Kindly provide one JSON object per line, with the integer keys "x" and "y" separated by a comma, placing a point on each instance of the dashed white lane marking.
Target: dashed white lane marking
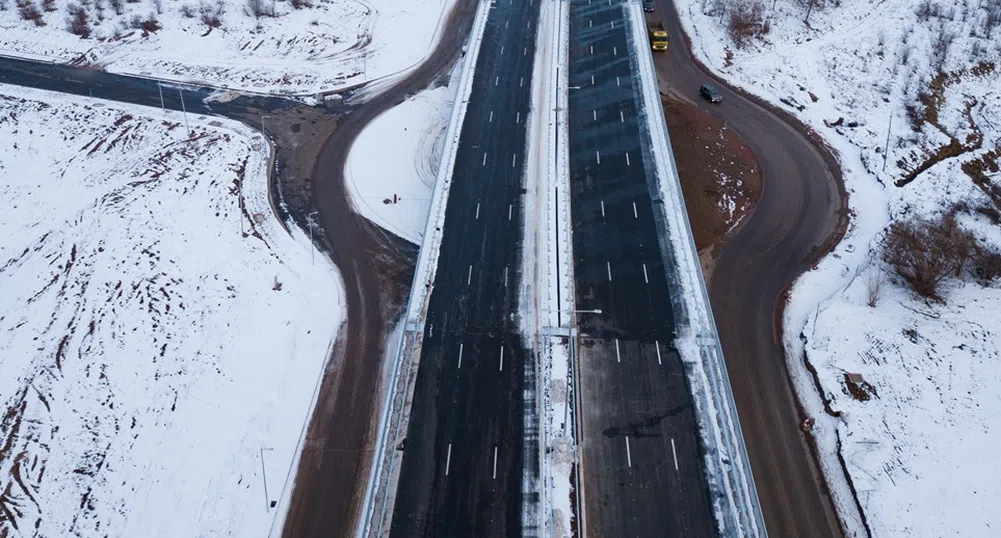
{"x": 615, "y": 51}
{"x": 522, "y": 83}
{"x": 592, "y": 49}
{"x": 505, "y": 276}
{"x": 646, "y": 278}
{"x": 602, "y": 208}
{"x": 617, "y": 81}
{"x": 622, "y": 117}
{"x": 597, "y": 154}
{"x": 501, "y": 368}
{"x": 629, "y": 456}
{"x": 674, "y": 453}
{"x": 594, "y": 114}
{"x": 618, "y": 356}
{"x": 495, "y": 460}
{"x": 608, "y": 265}
{"x": 525, "y": 52}
{"x": 502, "y": 49}
{"x": 469, "y": 277}
{"x": 657, "y": 343}
{"x": 613, "y": 24}
{"x": 635, "y": 214}
{"x": 448, "y": 459}
{"x": 491, "y": 115}
{"x": 509, "y": 208}
{"x": 513, "y": 156}
{"x": 460, "y": 355}
{"x": 477, "y": 211}
{"x": 484, "y": 158}
{"x": 590, "y": 23}
{"x": 592, "y": 80}
{"x": 496, "y": 80}
{"x": 517, "y": 118}
{"x": 627, "y": 159}
{"x": 505, "y": 23}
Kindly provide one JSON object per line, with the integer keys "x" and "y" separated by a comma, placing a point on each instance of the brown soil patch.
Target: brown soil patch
{"x": 720, "y": 176}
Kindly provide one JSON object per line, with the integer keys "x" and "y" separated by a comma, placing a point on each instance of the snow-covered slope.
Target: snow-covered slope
{"x": 323, "y": 46}
{"x": 151, "y": 354}
{"x": 923, "y": 77}
{"x": 396, "y": 193}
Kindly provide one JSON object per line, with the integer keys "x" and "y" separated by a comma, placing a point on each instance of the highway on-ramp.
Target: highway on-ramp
{"x": 641, "y": 458}
{"x": 799, "y": 216}
{"x": 464, "y": 452}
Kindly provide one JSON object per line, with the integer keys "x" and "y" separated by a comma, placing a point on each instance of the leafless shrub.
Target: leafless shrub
{"x": 299, "y": 4}
{"x": 187, "y": 11}
{"x": 118, "y": 6}
{"x": 78, "y": 23}
{"x": 49, "y": 5}
{"x": 29, "y": 12}
{"x": 926, "y": 252}
{"x": 923, "y": 11}
{"x": 993, "y": 18}
{"x": 987, "y": 267}
{"x": 4, "y": 5}
{"x": 257, "y": 8}
{"x": 158, "y": 6}
{"x": 211, "y": 16}
{"x": 150, "y": 24}
{"x": 874, "y": 282}
{"x": 747, "y": 22}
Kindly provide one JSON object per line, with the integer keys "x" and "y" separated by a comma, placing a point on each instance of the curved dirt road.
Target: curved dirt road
{"x": 375, "y": 267}
{"x": 799, "y": 216}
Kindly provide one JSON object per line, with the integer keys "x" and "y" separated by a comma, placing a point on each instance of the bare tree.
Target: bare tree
{"x": 77, "y": 22}
{"x": 874, "y": 282}
{"x": 926, "y": 252}
{"x": 29, "y": 12}
{"x": 747, "y": 21}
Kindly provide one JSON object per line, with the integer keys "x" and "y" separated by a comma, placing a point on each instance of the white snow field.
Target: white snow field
{"x": 916, "y": 452}
{"x": 324, "y": 46}
{"x": 396, "y": 192}
{"x": 152, "y": 355}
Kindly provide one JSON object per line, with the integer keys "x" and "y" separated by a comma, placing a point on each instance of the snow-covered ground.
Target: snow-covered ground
{"x": 152, "y": 355}
{"x": 917, "y": 451}
{"x": 324, "y": 46}
{"x": 396, "y": 193}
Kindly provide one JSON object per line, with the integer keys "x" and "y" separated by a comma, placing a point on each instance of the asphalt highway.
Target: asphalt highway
{"x": 641, "y": 460}
{"x": 463, "y": 460}
{"x": 799, "y": 216}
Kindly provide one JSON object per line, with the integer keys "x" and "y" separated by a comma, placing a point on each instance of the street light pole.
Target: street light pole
{"x": 312, "y": 248}
{"x": 184, "y": 111}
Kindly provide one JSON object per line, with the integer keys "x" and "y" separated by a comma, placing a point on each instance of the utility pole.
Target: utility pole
{"x": 163, "y": 108}
{"x": 264, "y": 473}
{"x": 185, "y": 112}
{"x": 886, "y": 150}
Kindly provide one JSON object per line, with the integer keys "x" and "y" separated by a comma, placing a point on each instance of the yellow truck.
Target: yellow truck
{"x": 658, "y": 39}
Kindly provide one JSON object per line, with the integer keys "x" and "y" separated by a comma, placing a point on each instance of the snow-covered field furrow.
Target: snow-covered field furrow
{"x": 151, "y": 353}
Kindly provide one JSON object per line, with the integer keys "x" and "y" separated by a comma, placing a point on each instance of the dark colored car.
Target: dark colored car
{"x": 710, "y": 93}
{"x": 648, "y": 6}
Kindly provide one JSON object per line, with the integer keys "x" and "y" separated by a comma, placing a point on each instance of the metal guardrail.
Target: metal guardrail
{"x": 726, "y": 453}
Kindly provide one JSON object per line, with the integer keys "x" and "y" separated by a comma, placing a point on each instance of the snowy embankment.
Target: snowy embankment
{"x": 321, "y": 46}
{"x": 918, "y": 78}
{"x": 396, "y": 193}
{"x": 152, "y": 354}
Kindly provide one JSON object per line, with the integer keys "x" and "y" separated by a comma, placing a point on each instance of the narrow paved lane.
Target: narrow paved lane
{"x": 799, "y": 215}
